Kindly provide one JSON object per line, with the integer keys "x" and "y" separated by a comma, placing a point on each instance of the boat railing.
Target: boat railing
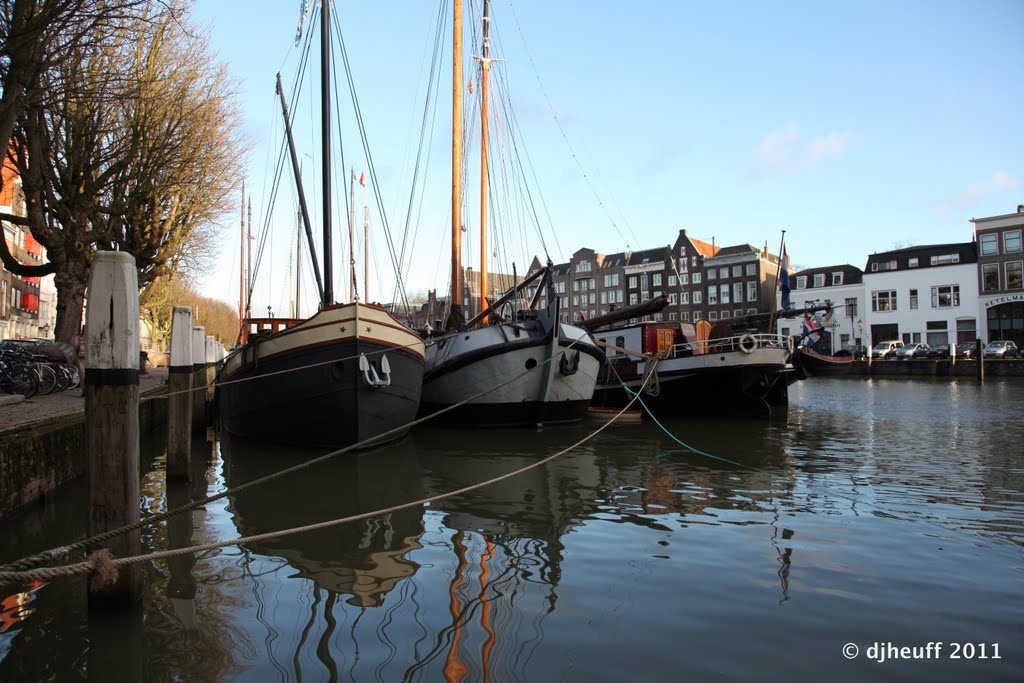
{"x": 747, "y": 343}
{"x": 256, "y": 326}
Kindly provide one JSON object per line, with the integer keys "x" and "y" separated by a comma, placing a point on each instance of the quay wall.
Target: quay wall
{"x": 941, "y": 368}
{"x": 37, "y": 459}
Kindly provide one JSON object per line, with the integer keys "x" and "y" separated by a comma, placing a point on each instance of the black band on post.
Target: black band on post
{"x": 111, "y": 377}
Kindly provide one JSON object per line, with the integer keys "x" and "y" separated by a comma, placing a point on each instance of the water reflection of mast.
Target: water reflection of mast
{"x": 454, "y": 668}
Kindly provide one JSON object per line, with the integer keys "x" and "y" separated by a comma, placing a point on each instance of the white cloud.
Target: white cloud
{"x": 784, "y": 150}
{"x": 976, "y": 193}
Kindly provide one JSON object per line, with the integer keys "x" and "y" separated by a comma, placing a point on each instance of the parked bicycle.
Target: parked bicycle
{"x": 17, "y": 375}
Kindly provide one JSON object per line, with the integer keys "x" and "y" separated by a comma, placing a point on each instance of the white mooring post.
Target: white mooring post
{"x": 112, "y": 417}
{"x": 211, "y": 370}
{"x": 179, "y": 388}
{"x": 198, "y": 379}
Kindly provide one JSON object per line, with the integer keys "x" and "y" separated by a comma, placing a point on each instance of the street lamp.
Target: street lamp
{"x": 860, "y": 327}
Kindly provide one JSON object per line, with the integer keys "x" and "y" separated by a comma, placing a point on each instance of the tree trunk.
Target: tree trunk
{"x": 71, "y": 281}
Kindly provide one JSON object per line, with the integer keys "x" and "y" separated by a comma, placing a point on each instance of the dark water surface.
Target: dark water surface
{"x": 875, "y": 515}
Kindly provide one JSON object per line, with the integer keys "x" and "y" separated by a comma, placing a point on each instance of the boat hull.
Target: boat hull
{"x": 819, "y": 365}
{"x": 305, "y": 385}
{"x": 748, "y": 374}
{"x": 712, "y": 383}
{"x": 511, "y": 374}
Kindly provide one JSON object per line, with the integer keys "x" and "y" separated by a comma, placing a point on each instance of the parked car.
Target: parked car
{"x": 886, "y": 349}
{"x": 940, "y": 351}
{"x": 1002, "y": 348}
{"x": 915, "y": 350}
{"x": 966, "y": 350}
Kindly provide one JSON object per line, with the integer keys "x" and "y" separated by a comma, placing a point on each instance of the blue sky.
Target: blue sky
{"x": 854, "y": 127}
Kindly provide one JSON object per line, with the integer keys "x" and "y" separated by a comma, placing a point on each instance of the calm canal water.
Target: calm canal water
{"x": 874, "y": 515}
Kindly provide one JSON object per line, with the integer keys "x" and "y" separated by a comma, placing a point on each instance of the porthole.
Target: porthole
{"x": 531, "y": 364}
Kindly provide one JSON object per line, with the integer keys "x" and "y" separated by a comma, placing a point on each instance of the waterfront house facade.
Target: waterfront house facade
{"x": 842, "y": 288}
{"x": 922, "y": 294}
{"x": 1000, "y": 275}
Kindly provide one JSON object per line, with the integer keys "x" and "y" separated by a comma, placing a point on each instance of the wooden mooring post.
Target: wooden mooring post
{"x": 112, "y": 418}
{"x": 199, "y": 379}
{"x": 179, "y": 401}
{"x": 211, "y": 373}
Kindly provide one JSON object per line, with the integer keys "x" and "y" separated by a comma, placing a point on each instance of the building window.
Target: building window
{"x": 989, "y": 244}
{"x": 671, "y": 280}
{"x": 883, "y": 265}
{"x": 946, "y": 296}
{"x": 737, "y": 271}
{"x": 819, "y": 280}
{"x": 604, "y": 297}
{"x": 698, "y": 297}
{"x": 1013, "y": 275}
{"x": 684, "y": 297}
{"x": 837, "y": 279}
{"x": 723, "y": 273}
{"x": 712, "y": 315}
{"x": 752, "y": 290}
{"x": 611, "y": 280}
{"x": 696, "y": 315}
{"x": 618, "y": 296}
{"x": 656, "y": 279}
{"x": 632, "y": 300}
{"x": 737, "y": 313}
{"x": 592, "y": 298}
{"x": 851, "y": 307}
{"x": 583, "y": 267}
{"x": 684, "y": 317}
{"x": 672, "y": 299}
{"x": 751, "y": 311}
{"x": 1011, "y": 241}
{"x": 672, "y": 317}
{"x": 737, "y": 292}
{"x": 990, "y": 277}
{"x": 945, "y": 259}
{"x": 723, "y": 294}
{"x": 751, "y": 269}
{"x": 801, "y": 282}
{"x": 884, "y": 300}
{"x": 696, "y": 278}
{"x": 632, "y": 281}
{"x": 912, "y": 263}
{"x": 913, "y": 300}
{"x": 712, "y": 295}
{"x": 712, "y": 275}
{"x": 684, "y": 279}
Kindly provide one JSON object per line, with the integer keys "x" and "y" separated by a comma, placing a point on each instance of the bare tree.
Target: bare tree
{"x": 135, "y": 150}
{"x": 35, "y": 35}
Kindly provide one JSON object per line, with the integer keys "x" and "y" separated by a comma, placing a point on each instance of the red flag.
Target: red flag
{"x": 362, "y": 178}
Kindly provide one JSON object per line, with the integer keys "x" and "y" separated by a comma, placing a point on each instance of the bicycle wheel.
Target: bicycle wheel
{"x": 47, "y": 378}
{"x": 25, "y": 382}
{"x": 73, "y": 376}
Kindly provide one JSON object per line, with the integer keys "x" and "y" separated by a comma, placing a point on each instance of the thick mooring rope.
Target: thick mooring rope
{"x": 61, "y": 553}
{"x": 102, "y": 569}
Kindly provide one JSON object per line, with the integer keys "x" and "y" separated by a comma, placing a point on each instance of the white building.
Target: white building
{"x": 923, "y": 294}
{"x": 842, "y": 288}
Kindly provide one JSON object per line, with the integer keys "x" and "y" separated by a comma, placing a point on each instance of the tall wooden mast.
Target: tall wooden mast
{"x": 456, "y": 293}
{"x": 241, "y": 265}
{"x": 485, "y": 67}
{"x": 325, "y": 143}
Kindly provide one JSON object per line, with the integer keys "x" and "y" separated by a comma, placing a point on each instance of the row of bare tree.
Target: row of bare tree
{"x": 124, "y": 130}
